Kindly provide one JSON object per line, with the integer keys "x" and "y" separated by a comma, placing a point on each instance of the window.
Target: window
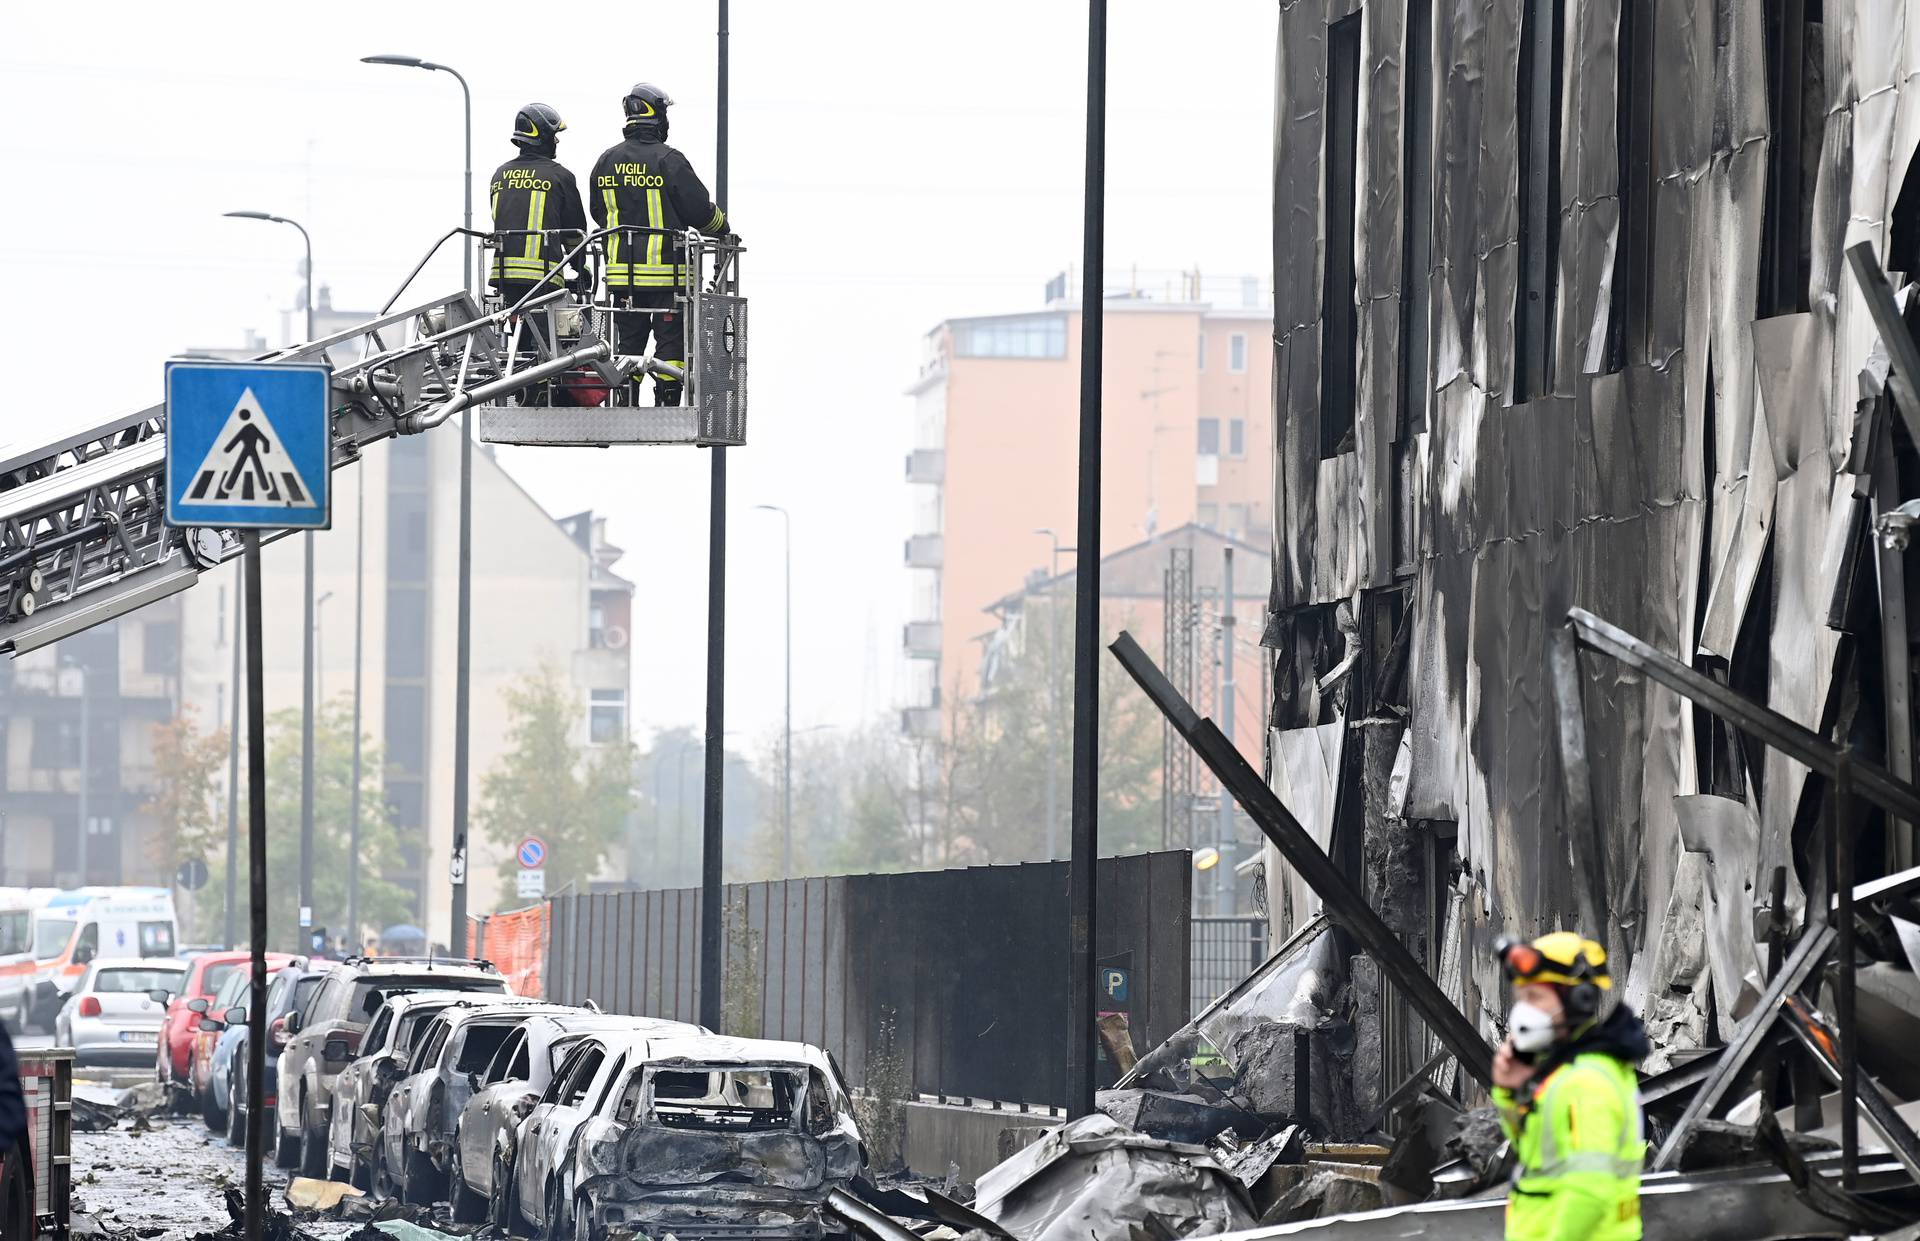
{"x": 1416, "y": 217}
{"x": 407, "y": 727}
{"x": 1237, "y": 352}
{"x": 1633, "y": 123}
{"x": 428, "y": 1052}
{"x": 732, "y": 1099}
{"x": 1200, "y": 359}
{"x": 1038, "y": 336}
{"x": 136, "y": 981}
{"x": 51, "y": 937}
{"x": 406, "y": 631}
{"x": 1339, "y": 318}
{"x": 56, "y": 744}
{"x": 16, "y": 932}
{"x": 596, "y": 627}
{"x": 160, "y": 648}
{"x": 512, "y": 1055}
{"x": 1209, "y": 437}
{"x": 607, "y": 716}
{"x": 379, "y": 1033}
{"x": 1794, "y": 41}
{"x": 1236, "y": 519}
{"x": 479, "y": 1045}
{"x": 1207, "y": 515}
{"x": 156, "y": 940}
{"x": 87, "y": 947}
{"x": 407, "y": 537}
{"x": 1236, "y": 437}
{"x": 1538, "y": 123}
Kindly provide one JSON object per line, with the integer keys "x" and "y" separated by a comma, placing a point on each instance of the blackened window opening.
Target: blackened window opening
{"x": 1339, "y": 319}
{"x": 1538, "y": 118}
{"x": 1633, "y": 256}
{"x": 1416, "y": 214}
{"x": 1795, "y": 98}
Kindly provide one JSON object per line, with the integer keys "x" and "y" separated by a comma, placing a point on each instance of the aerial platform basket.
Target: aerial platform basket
{"x": 713, "y": 403}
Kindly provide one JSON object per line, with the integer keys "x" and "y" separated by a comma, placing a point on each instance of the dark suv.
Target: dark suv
{"x": 326, "y": 1036}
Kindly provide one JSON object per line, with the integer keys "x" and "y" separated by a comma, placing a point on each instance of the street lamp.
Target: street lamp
{"x": 786, "y": 744}
{"x": 306, "y": 643}
{"x": 1053, "y": 698}
{"x": 463, "y": 657}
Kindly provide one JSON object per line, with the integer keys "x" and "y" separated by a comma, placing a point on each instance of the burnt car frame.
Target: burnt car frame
{"x": 361, "y": 1090}
{"x": 708, "y": 1137}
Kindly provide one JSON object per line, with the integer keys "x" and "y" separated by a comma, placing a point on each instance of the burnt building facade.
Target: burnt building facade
{"x": 1563, "y": 318}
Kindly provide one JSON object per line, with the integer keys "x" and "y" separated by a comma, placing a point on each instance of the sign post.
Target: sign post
{"x": 250, "y": 447}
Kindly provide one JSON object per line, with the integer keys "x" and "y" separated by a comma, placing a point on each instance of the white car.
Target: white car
{"x": 112, "y": 1017}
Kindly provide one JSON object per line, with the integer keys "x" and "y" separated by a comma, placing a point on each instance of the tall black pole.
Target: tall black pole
{"x": 359, "y": 634}
{"x": 307, "y": 704}
{"x": 463, "y": 598}
{"x": 256, "y": 893}
{"x": 236, "y": 688}
{"x": 710, "y": 1006}
{"x": 1085, "y": 844}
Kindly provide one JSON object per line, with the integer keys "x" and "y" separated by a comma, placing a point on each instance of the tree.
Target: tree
{"x": 186, "y": 789}
{"x": 574, "y": 797}
{"x": 381, "y": 902}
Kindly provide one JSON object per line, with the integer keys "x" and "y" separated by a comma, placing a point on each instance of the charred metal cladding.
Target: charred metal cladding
{"x": 1608, "y": 353}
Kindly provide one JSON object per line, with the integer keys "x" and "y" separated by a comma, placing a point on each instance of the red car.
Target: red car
{"x": 206, "y": 973}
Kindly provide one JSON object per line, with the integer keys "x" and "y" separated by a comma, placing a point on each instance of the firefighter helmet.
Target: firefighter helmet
{"x": 535, "y": 125}
{"x": 1577, "y": 966}
{"x": 646, "y": 102}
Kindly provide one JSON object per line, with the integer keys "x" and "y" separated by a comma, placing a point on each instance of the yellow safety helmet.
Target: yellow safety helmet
{"x": 1565, "y": 959}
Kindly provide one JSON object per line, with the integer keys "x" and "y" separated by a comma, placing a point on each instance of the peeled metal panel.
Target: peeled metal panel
{"x": 1727, "y": 835}
{"x": 1306, "y": 776}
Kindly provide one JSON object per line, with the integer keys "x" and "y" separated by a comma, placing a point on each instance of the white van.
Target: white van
{"x": 72, "y": 928}
{"x": 17, "y": 909}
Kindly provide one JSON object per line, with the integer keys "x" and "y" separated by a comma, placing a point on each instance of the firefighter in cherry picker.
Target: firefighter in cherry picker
{"x": 537, "y": 209}
{"x": 642, "y": 181}
{"x": 1568, "y": 1095}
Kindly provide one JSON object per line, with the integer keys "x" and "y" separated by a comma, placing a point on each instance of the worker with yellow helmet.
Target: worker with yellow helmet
{"x": 1569, "y": 1095}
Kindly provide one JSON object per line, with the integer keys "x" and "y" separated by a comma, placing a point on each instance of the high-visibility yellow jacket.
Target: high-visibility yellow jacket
{"x": 1576, "y": 1135}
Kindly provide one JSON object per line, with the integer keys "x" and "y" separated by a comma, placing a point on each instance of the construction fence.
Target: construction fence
{"x": 939, "y": 982}
{"x": 516, "y": 942}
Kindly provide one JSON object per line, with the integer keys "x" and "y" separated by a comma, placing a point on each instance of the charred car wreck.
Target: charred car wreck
{"x": 718, "y": 1137}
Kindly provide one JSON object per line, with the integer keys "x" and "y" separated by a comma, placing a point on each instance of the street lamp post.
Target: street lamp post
{"x": 320, "y": 649}
{"x": 359, "y": 626}
{"x": 786, "y": 743}
{"x": 1053, "y": 697}
{"x": 463, "y": 656}
{"x": 306, "y": 643}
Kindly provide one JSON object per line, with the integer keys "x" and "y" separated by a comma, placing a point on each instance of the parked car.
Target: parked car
{"x": 709, "y": 1136}
{"x": 112, "y": 1017}
{"x": 536, "y": 1193}
{"x": 292, "y": 990}
{"x": 206, "y": 1036}
{"x": 361, "y": 1090}
{"x": 322, "y": 1040}
{"x": 444, "y": 1071}
{"x": 482, "y": 1155}
{"x": 205, "y": 975}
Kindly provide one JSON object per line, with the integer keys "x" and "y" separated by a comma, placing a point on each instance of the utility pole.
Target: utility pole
{"x": 1223, "y": 831}
{"x": 233, "y": 772}
{"x": 86, "y": 766}
{"x": 359, "y": 633}
{"x": 1053, "y": 695}
{"x": 713, "y": 835}
{"x": 1086, "y": 618}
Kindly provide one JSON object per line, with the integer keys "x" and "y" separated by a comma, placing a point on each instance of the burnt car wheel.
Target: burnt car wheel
{"x": 236, "y": 1112}
{"x": 313, "y": 1147}
{"x": 421, "y": 1182}
{"x": 468, "y": 1207}
{"x": 211, "y": 1110}
{"x": 381, "y": 1177}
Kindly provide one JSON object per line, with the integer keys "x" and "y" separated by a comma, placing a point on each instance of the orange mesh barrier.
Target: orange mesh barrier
{"x": 516, "y": 942}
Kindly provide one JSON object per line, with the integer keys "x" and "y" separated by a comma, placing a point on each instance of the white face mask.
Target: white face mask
{"x": 1531, "y": 1028}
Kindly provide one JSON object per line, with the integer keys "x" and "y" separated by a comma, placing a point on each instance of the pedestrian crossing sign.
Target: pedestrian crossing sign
{"x": 248, "y": 445}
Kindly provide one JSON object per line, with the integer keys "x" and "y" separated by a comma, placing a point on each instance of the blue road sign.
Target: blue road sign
{"x": 1116, "y": 980}
{"x": 248, "y": 445}
{"x": 533, "y": 851}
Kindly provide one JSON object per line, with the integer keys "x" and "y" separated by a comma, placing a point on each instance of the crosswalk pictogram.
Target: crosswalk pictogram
{"x": 247, "y": 464}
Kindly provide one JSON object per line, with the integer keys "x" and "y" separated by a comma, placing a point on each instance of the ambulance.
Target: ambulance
{"x": 17, "y": 909}
{"x": 72, "y": 928}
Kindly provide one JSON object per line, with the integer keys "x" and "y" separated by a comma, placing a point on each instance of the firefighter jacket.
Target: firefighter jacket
{"x": 1577, "y": 1139}
{"x": 531, "y": 193}
{"x": 643, "y": 181}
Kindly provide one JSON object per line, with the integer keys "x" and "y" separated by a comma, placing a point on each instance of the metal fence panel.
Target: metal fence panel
{"x": 1225, "y": 950}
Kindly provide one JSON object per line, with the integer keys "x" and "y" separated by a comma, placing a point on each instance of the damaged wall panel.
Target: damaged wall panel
{"x": 1652, "y": 484}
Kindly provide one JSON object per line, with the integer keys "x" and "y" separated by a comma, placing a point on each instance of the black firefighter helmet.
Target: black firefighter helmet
{"x": 536, "y": 125}
{"x": 646, "y": 102}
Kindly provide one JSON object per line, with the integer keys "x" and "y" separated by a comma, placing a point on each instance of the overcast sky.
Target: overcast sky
{"x": 893, "y": 164}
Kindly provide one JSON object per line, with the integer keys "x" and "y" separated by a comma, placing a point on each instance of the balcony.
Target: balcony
{"x": 925, "y": 551}
{"x": 921, "y": 639}
{"x": 927, "y": 465}
{"x": 920, "y": 721}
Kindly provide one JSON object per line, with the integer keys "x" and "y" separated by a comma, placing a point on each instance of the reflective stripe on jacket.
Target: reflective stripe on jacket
{"x": 1579, "y": 1147}
{"x": 534, "y": 193}
{"x": 647, "y": 183}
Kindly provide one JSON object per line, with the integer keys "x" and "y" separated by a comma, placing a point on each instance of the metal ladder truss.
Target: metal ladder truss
{"x": 83, "y": 533}
{"x": 581, "y": 408}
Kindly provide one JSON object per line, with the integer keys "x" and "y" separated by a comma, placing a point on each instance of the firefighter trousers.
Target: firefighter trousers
{"x": 651, "y": 315}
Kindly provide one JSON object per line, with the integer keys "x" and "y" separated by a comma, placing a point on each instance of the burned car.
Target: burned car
{"x": 355, "y": 1121}
{"x": 710, "y": 1137}
{"x": 457, "y": 1044}
{"x": 520, "y": 1073}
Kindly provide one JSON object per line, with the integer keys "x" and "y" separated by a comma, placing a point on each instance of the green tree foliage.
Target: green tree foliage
{"x": 573, "y": 796}
{"x": 382, "y": 902}
{"x": 186, "y": 802}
